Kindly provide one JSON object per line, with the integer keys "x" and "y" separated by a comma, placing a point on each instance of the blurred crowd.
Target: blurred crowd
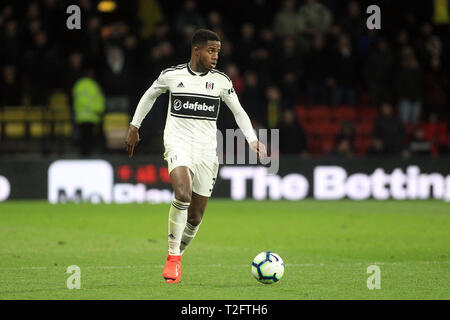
{"x": 280, "y": 55}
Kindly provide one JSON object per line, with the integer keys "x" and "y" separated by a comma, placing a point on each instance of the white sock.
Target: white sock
{"x": 177, "y": 223}
{"x": 188, "y": 235}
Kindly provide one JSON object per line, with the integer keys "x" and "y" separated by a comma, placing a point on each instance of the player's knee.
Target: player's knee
{"x": 183, "y": 196}
{"x": 195, "y": 216}
{"x": 194, "y": 220}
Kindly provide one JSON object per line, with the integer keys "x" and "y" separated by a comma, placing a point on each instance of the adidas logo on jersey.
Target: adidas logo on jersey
{"x": 180, "y": 85}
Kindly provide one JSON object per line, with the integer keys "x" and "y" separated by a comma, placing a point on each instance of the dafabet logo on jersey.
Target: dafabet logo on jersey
{"x": 195, "y": 106}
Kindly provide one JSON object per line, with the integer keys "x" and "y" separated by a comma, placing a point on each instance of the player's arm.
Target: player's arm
{"x": 144, "y": 106}
{"x": 231, "y": 99}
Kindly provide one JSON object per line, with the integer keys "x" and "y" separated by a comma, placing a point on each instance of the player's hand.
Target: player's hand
{"x": 259, "y": 148}
{"x": 132, "y": 139}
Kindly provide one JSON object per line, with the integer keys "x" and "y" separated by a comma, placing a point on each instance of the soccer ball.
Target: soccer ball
{"x": 267, "y": 267}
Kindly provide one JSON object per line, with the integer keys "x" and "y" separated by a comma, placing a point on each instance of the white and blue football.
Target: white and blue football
{"x": 268, "y": 267}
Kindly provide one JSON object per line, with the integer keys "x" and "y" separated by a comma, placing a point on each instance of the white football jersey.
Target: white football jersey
{"x": 194, "y": 104}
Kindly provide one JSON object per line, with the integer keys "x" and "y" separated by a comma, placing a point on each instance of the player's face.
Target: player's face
{"x": 209, "y": 55}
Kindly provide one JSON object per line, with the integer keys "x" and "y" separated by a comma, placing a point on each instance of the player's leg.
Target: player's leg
{"x": 202, "y": 186}
{"x": 181, "y": 178}
{"x": 194, "y": 219}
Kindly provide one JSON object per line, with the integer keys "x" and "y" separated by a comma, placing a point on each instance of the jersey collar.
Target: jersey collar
{"x": 193, "y": 73}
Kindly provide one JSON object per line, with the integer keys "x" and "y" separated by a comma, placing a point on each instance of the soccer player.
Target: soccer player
{"x": 195, "y": 92}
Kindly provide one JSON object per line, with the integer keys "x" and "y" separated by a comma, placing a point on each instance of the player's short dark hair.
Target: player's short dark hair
{"x": 202, "y": 36}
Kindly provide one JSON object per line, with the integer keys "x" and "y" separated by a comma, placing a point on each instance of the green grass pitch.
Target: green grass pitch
{"x": 327, "y": 247}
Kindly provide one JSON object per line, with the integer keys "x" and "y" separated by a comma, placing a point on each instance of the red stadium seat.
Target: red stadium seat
{"x": 317, "y": 126}
{"x": 344, "y": 113}
{"x": 328, "y": 143}
{"x": 302, "y": 113}
{"x": 364, "y": 128}
{"x": 314, "y": 145}
{"x": 308, "y": 127}
{"x": 368, "y": 113}
{"x": 319, "y": 113}
{"x": 362, "y": 144}
{"x": 329, "y": 129}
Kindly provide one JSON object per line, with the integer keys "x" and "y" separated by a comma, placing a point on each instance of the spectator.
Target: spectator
{"x": 435, "y": 131}
{"x": 427, "y": 44}
{"x": 436, "y": 89}
{"x": 342, "y": 149}
{"x": 419, "y": 146}
{"x": 285, "y": 20}
{"x": 89, "y": 105}
{"x": 252, "y": 99}
{"x": 289, "y": 69}
{"x": 344, "y": 142}
{"x": 273, "y": 106}
{"x": 40, "y": 69}
{"x": 189, "y": 18}
{"x": 353, "y": 23}
{"x": 317, "y": 71}
{"x": 33, "y": 11}
{"x": 292, "y": 135}
{"x": 388, "y": 133}
{"x": 347, "y": 132}
{"x": 402, "y": 42}
{"x": 343, "y": 73}
{"x": 378, "y": 74}
{"x": 52, "y": 12}
{"x": 259, "y": 12}
{"x": 314, "y": 18}
{"x": 183, "y": 46}
{"x": 409, "y": 88}
{"x": 247, "y": 45}
{"x": 11, "y": 43}
{"x": 264, "y": 53}
{"x": 234, "y": 74}
{"x": 115, "y": 75}
{"x": 226, "y": 54}
{"x": 160, "y": 57}
{"x": 91, "y": 41}
{"x": 10, "y": 87}
{"x": 74, "y": 70}
{"x": 215, "y": 23}
{"x": 162, "y": 33}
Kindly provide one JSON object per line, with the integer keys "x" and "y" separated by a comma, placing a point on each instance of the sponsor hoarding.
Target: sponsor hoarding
{"x": 146, "y": 180}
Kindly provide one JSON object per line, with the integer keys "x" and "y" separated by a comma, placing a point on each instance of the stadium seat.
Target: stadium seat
{"x": 327, "y": 144}
{"x": 314, "y": 145}
{"x": 317, "y": 127}
{"x": 15, "y": 130}
{"x": 436, "y": 132}
{"x": 362, "y": 144}
{"x": 59, "y": 99}
{"x": 59, "y": 107}
{"x": 364, "y": 128}
{"x": 14, "y": 113}
{"x": 37, "y": 124}
{"x": 14, "y": 122}
{"x": 344, "y": 113}
{"x": 330, "y": 129}
{"x": 115, "y": 128}
{"x": 319, "y": 113}
{"x": 367, "y": 113}
{"x": 302, "y": 113}
{"x": 63, "y": 128}
{"x": 309, "y": 128}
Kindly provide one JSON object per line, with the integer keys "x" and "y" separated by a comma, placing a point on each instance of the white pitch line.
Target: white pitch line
{"x": 241, "y": 265}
